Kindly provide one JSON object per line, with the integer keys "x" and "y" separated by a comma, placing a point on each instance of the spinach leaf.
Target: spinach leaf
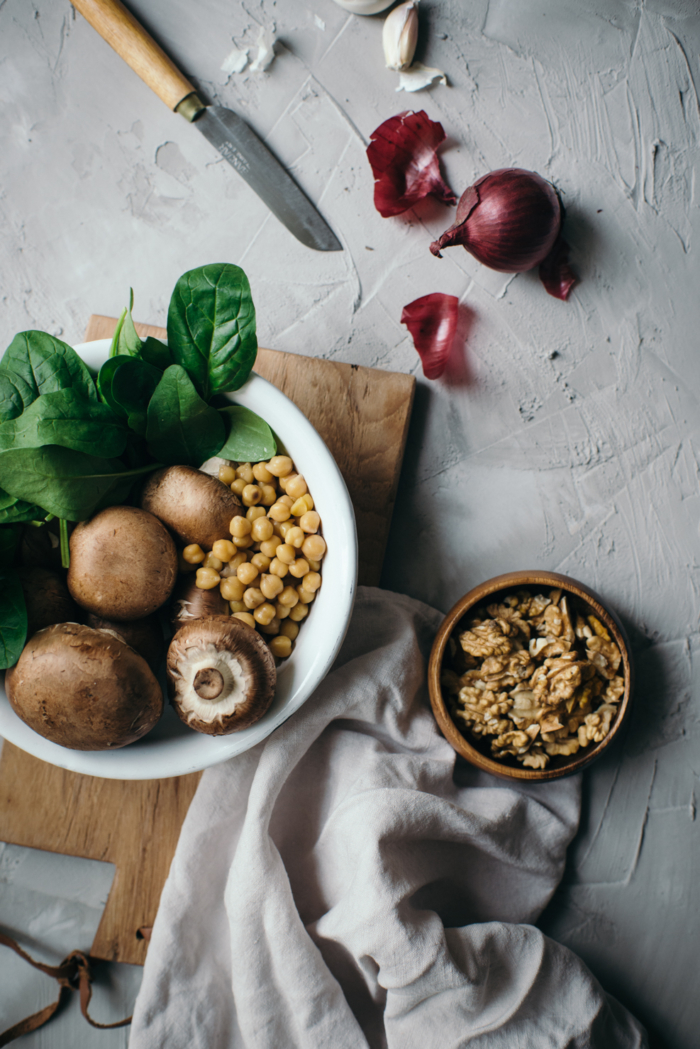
{"x": 127, "y": 385}
{"x": 13, "y": 619}
{"x": 9, "y": 541}
{"x": 156, "y": 353}
{"x": 36, "y": 363}
{"x": 126, "y": 341}
{"x": 182, "y": 428}
{"x": 211, "y": 327}
{"x": 16, "y": 510}
{"x": 250, "y": 438}
{"x": 68, "y": 419}
{"x": 64, "y": 482}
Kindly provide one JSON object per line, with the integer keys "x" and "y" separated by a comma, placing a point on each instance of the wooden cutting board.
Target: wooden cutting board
{"x": 363, "y": 415}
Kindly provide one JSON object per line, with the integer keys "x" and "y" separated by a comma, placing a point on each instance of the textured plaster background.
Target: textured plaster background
{"x": 565, "y": 436}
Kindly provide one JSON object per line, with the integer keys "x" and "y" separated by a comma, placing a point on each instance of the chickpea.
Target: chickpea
{"x": 232, "y": 589}
{"x": 242, "y": 542}
{"x": 288, "y": 596}
{"x": 286, "y": 499}
{"x": 278, "y": 568}
{"x": 253, "y": 598}
{"x": 245, "y": 470}
{"x": 262, "y": 474}
{"x": 299, "y": 612}
{"x": 299, "y": 568}
{"x": 282, "y": 611}
{"x": 295, "y": 535}
{"x": 237, "y": 606}
{"x": 232, "y": 567}
{"x": 254, "y": 512}
{"x": 312, "y": 582}
{"x": 310, "y": 521}
{"x": 272, "y": 628}
{"x": 247, "y": 573}
{"x": 262, "y": 527}
{"x": 224, "y": 550}
{"x": 299, "y": 508}
{"x": 285, "y": 528}
{"x": 245, "y": 617}
{"x": 279, "y": 512}
{"x": 285, "y": 553}
{"x": 207, "y": 578}
{"x": 290, "y": 629}
{"x": 237, "y": 487}
{"x": 309, "y": 501}
{"x": 193, "y": 554}
{"x": 261, "y": 562}
{"x": 315, "y": 566}
{"x": 269, "y": 494}
{"x": 281, "y": 646}
{"x": 305, "y": 596}
{"x": 296, "y": 486}
{"x": 271, "y": 586}
{"x": 251, "y": 495}
{"x": 240, "y": 527}
{"x": 269, "y": 546}
{"x": 277, "y": 529}
{"x": 280, "y": 465}
{"x": 264, "y": 613}
{"x": 227, "y": 473}
{"x": 314, "y": 547}
{"x": 283, "y": 482}
{"x": 212, "y": 562}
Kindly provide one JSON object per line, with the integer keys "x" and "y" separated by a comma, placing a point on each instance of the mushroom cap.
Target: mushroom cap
{"x": 123, "y": 564}
{"x": 221, "y": 675}
{"x": 195, "y": 506}
{"x": 145, "y": 636}
{"x": 189, "y": 602}
{"x": 46, "y": 597}
{"x": 84, "y": 688}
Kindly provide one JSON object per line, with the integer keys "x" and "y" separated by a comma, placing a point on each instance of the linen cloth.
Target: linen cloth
{"x": 347, "y": 884}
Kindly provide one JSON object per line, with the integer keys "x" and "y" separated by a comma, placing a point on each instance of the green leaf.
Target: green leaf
{"x": 68, "y": 419}
{"x": 156, "y": 353}
{"x": 9, "y": 541}
{"x": 13, "y": 619}
{"x": 250, "y": 439}
{"x": 36, "y": 363}
{"x": 64, "y": 482}
{"x": 127, "y": 385}
{"x": 182, "y": 428}
{"x": 16, "y": 510}
{"x": 211, "y": 327}
{"x": 126, "y": 342}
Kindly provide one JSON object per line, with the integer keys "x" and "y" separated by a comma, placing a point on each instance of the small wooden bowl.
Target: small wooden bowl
{"x": 478, "y": 753}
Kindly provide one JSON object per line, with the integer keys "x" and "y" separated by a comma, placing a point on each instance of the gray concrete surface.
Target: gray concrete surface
{"x": 565, "y": 435}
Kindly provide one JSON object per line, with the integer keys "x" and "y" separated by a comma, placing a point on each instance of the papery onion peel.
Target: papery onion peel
{"x": 510, "y": 220}
{"x": 432, "y": 322}
{"x": 403, "y": 155}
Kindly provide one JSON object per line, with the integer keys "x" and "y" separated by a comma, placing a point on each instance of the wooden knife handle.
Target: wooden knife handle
{"x": 130, "y": 40}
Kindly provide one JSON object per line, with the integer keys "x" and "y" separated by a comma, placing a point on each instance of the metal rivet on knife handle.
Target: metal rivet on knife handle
{"x": 123, "y": 33}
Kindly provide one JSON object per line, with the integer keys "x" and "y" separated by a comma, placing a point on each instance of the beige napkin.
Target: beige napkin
{"x": 344, "y": 885}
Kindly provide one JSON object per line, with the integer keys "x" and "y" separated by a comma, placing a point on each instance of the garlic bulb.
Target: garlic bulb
{"x": 365, "y": 7}
{"x": 400, "y": 35}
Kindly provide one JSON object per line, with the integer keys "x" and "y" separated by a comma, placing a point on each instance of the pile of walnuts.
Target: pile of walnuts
{"x": 539, "y": 675}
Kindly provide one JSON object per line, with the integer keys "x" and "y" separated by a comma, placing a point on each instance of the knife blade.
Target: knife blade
{"x": 226, "y": 131}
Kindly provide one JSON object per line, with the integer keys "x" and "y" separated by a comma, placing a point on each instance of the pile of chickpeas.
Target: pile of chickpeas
{"x": 269, "y": 570}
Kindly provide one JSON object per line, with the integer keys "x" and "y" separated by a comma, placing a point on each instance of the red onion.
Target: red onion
{"x": 432, "y": 321}
{"x": 510, "y": 220}
{"x": 403, "y": 155}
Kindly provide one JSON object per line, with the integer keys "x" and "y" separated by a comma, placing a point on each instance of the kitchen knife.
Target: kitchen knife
{"x": 235, "y": 140}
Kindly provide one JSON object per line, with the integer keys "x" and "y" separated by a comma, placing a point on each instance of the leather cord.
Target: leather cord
{"x": 73, "y": 972}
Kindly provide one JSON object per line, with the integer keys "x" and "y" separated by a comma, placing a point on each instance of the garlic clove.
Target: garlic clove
{"x": 400, "y": 35}
{"x": 365, "y": 7}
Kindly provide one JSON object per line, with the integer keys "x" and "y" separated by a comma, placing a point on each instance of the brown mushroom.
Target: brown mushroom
{"x": 189, "y": 602}
{"x": 143, "y": 635}
{"x": 221, "y": 675}
{"x": 84, "y": 688}
{"x": 46, "y": 597}
{"x": 194, "y": 505}
{"x": 123, "y": 564}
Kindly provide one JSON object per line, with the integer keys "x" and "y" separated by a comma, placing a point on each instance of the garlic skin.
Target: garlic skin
{"x": 365, "y": 7}
{"x": 400, "y": 36}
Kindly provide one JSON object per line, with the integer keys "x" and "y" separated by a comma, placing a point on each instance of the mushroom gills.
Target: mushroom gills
{"x": 213, "y": 684}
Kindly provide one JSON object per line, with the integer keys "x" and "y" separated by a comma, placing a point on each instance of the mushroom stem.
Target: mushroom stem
{"x": 208, "y": 684}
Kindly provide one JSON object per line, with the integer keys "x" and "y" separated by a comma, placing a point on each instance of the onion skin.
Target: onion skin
{"x": 432, "y": 322}
{"x": 509, "y": 220}
{"x": 403, "y": 155}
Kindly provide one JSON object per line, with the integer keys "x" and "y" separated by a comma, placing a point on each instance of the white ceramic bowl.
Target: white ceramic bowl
{"x": 172, "y": 749}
